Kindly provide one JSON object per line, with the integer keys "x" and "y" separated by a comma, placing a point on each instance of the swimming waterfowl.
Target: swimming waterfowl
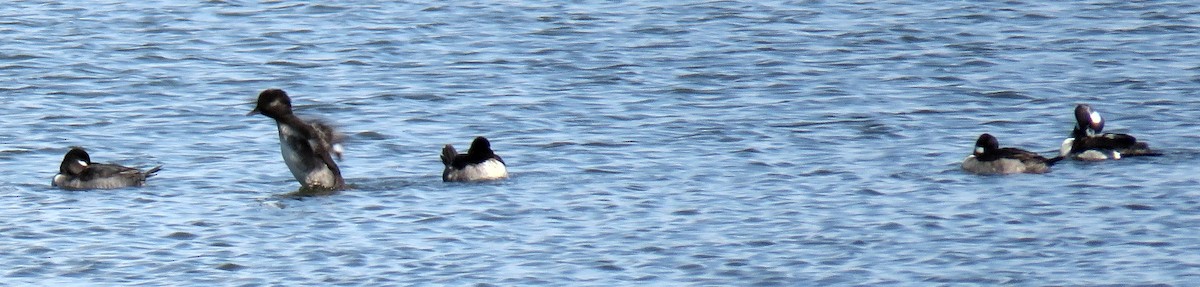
{"x": 479, "y": 163}
{"x": 1087, "y": 143}
{"x": 990, "y": 158}
{"x": 77, "y": 171}
{"x": 308, "y": 146}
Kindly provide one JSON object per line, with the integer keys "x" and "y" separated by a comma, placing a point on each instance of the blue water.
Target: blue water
{"x": 745, "y": 143}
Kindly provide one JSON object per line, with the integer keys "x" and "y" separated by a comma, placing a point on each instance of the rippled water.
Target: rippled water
{"x": 807, "y": 143}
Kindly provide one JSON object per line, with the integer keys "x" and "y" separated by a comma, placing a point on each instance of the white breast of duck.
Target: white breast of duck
{"x": 1067, "y": 150}
{"x": 301, "y": 160}
{"x": 490, "y": 169}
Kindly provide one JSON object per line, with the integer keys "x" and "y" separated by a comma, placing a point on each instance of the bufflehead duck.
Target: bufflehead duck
{"x": 308, "y": 147}
{"x": 1087, "y": 143}
{"x": 479, "y": 163}
{"x": 78, "y": 172}
{"x": 989, "y": 158}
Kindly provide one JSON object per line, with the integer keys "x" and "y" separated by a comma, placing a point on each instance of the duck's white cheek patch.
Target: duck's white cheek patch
{"x": 83, "y": 163}
{"x": 978, "y": 149}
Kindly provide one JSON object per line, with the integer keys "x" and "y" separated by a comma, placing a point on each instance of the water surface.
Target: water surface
{"x": 783, "y": 143}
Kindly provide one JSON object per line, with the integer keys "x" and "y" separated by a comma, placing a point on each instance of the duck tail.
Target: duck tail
{"x": 150, "y": 172}
{"x": 1053, "y": 160}
{"x": 1141, "y": 149}
{"x": 448, "y": 154}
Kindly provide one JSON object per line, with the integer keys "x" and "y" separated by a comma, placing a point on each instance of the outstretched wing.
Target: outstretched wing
{"x": 328, "y": 137}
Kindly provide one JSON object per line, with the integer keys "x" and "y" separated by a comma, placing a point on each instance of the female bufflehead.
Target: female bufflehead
{"x": 1087, "y": 143}
{"x": 989, "y": 158}
{"x": 479, "y": 163}
{"x": 78, "y": 172}
{"x": 307, "y": 146}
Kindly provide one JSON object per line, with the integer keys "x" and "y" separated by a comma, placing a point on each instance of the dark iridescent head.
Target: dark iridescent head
{"x": 75, "y": 161}
{"x": 986, "y": 144}
{"x": 272, "y": 103}
{"x": 480, "y": 146}
{"x": 1087, "y": 120}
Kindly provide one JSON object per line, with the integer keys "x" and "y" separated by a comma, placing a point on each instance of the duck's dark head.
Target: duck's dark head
{"x": 1087, "y": 121}
{"x": 986, "y": 144}
{"x": 272, "y": 103}
{"x": 480, "y": 146}
{"x": 75, "y": 161}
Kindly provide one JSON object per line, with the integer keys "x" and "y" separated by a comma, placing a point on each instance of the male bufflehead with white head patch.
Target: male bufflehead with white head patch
{"x": 308, "y": 146}
{"x": 479, "y": 163}
{"x": 1087, "y": 143}
{"x": 77, "y": 171}
{"x": 989, "y": 158}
